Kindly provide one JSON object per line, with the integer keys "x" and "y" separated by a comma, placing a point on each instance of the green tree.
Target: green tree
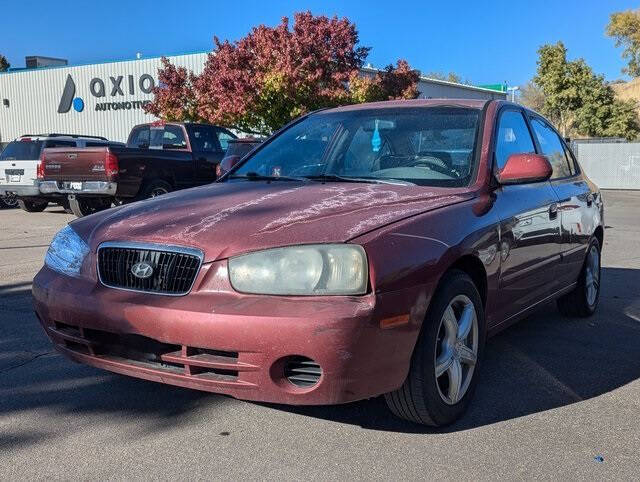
{"x": 552, "y": 76}
{"x": 624, "y": 27}
{"x": 579, "y": 101}
{"x": 4, "y": 64}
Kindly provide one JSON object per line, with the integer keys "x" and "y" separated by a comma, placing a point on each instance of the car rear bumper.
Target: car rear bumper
{"x": 28, "y": 190}
{"x": 102, "y": 188}
{"x": 242, "y": 346}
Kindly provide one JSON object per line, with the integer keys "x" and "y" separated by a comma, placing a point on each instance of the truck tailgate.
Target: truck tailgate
{"x": 75, "y": 164}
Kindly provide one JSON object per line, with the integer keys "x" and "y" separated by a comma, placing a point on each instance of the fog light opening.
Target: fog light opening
{"x": 302, "y": 372}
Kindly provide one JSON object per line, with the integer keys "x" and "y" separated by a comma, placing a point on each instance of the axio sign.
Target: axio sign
{"x": 116, "y": 86}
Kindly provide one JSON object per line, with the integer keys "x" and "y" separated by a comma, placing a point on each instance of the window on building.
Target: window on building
{"x": 513, "y": 137}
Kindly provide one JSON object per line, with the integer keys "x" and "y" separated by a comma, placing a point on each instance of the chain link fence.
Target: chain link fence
{"x": 611, "y": 165}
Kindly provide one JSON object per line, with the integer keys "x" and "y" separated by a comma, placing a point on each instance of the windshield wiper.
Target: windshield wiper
{"x": 368, "y": 180}
{"x": 254, "y": 176}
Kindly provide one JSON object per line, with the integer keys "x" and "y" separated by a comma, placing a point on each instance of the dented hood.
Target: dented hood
{"x": 225, "y": 219}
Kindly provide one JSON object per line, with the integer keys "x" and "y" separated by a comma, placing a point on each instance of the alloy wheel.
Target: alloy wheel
{"x": 10, "y": 200}
{"x": 592, "y": 276}
{"x": 456, "y": 349}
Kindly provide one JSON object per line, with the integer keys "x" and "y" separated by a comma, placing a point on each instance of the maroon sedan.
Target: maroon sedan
{"x": 361, "y": 251}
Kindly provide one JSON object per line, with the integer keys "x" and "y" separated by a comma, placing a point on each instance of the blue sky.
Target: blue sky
{"x": 483, "y": 41}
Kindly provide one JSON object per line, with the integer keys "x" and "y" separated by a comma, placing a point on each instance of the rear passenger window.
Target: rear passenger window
{"x": 139, "y": 137}
{"x": 173, "y": 137}
{"x": 572, "y": 161}
{"x": 513, "y": 137}
{"x": 552, "y": 147}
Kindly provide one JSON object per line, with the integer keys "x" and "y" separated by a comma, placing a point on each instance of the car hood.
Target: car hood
{"x": 225, "y": 219}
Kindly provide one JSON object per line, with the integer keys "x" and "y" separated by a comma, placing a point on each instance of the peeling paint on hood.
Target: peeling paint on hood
{"x": 226, "y": 219}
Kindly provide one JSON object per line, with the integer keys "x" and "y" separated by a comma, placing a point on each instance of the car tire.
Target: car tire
{"x": 583, "y": 300}
{"x": 154, "y": 188}
{"x": 85, "y": 206}
{"x": 32, "y": 206}
{"x": 9, "y": 201}
{"x": 425, "y": 397}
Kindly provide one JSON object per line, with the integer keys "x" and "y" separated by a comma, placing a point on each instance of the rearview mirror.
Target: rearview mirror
{"x": 524, "y": 168}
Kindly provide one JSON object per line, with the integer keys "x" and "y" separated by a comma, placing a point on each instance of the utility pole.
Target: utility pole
{"x": 513, "y": 92}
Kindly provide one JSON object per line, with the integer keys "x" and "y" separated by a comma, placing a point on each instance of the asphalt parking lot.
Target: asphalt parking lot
{"x": 558, "y": 398}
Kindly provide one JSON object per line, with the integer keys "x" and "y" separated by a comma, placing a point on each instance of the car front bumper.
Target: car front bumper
{"x": 219, "y": 341}
{"x": 101, "y": 188}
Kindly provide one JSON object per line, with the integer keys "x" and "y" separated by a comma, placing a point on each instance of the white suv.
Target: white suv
{"x": 20, "y": 166}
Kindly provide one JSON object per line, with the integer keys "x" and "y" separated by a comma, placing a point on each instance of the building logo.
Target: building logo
{"x": 68, "y": 99}
{"x": 98, "y": 89}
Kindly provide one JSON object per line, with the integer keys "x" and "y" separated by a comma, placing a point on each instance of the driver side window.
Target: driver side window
{"x": 513, "y": 137}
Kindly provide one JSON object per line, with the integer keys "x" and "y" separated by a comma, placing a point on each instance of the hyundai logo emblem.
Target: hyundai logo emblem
{"x": 142, "y": 270}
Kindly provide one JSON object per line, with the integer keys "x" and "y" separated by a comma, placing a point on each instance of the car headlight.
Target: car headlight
{"x": 66, "y": 252}
{"x": 321, "y": 269}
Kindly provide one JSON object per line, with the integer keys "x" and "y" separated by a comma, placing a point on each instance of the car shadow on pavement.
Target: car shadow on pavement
{"x": 34, "y": 377}
{"x": 541, "y": 363}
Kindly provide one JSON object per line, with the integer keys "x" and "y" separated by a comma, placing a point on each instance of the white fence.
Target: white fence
{"x": 611, "y": 165}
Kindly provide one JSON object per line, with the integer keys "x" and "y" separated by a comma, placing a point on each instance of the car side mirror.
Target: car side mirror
{"x": 524, "y": 168}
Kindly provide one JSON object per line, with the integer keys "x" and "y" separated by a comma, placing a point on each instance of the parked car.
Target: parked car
{"x": 236, "y": 150}
{"x": 20, "y": 167}
{"x": 159, "y": 158}
{"x": 364, "y": 250}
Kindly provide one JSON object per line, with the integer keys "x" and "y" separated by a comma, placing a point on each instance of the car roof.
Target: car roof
{"x": 45, "y": 137}
{"x": 409, "y": 103}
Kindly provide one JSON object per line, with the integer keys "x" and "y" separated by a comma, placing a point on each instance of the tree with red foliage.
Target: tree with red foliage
{"x": 399, "y": 82}
{"x": 174, "y": 98}
{"x": 275, "y": 74}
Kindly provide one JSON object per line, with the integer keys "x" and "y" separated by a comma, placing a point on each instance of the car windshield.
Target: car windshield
{"x": 21, "y": 151}
{"x": 430, "y": 146}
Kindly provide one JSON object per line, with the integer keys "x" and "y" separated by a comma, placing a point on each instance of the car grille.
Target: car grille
{"x": 174, "y": 269}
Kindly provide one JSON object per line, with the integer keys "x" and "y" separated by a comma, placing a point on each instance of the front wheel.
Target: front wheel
{"x": 444, "y": 366}
{"x": 32, "y": 206}
{"x": 584, "y": 298}
{"x": 84, "y": 206}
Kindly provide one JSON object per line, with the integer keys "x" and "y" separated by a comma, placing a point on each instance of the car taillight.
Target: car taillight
{"x": 111, "y": 164}
{"x": 218, "y": 170}
{"x": 40, "y": 168}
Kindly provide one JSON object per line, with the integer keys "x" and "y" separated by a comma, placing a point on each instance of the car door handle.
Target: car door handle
{"x": 553, "y": 211}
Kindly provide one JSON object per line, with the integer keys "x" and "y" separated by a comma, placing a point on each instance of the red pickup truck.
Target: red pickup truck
{"x": 159, "y": 157}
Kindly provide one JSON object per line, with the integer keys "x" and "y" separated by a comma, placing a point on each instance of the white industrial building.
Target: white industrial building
{"x": 106, "y": 99}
